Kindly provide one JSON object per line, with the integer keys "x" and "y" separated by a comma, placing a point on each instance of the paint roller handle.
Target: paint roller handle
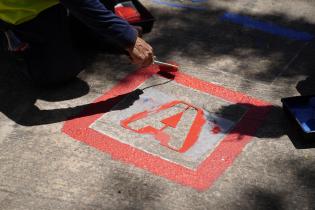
{"x": 170, "y": 67}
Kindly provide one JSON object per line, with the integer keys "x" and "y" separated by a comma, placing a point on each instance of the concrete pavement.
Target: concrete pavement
{"x": 42, "y": 167}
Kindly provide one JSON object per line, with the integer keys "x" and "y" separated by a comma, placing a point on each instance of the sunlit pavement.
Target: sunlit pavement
{"x": 217, "y": 136}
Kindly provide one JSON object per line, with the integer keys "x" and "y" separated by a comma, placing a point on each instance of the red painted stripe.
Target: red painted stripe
{"x": 215, "y": 90}
{"x": 209, "y": 170}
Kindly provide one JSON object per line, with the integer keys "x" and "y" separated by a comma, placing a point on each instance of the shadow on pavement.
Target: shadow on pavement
{"x": 210, "y": 39}
{"x": 302, "y": 193}
{"x": 20, "y": 106}
{"x": 263, "y": 199}
{"x": 307, "y": 86}
{"x": 275, "y": 125}
{"x": 203, "y": 38}
{"x": 135, "y": 191}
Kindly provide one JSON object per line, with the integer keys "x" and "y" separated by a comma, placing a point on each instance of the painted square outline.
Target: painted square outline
{"x": 210, "y": 169}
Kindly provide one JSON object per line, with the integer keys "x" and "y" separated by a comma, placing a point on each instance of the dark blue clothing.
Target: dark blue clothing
{"x": 103, "y": 21}
{"x": 55, "y": 38}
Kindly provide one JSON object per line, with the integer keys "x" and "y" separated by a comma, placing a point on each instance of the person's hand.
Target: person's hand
{"x": 141, "y": 53}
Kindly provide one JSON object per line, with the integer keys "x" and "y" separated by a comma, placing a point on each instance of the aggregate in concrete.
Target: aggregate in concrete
{"x": 151, "y": 99}
{"x": 42, "y": 168}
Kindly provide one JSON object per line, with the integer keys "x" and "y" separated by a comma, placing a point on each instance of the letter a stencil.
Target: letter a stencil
{"x": 170, "y": 130}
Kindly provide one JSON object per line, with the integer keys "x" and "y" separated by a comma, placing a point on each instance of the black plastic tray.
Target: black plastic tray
{"x": 290, "y": 105}
{"x": 147, "y": 21}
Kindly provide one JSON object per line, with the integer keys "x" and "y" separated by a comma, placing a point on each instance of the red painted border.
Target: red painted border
{"x": 210, "y": 169}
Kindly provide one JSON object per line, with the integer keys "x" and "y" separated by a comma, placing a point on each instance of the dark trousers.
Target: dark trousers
{"x": 52, "y": 57}
{"x": 58, "y": 45}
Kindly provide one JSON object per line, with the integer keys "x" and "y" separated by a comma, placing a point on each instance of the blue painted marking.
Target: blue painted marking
{"x": 198, "y": 1}
{"x": 179, "y": 5}
{"x": 267, "y": 27}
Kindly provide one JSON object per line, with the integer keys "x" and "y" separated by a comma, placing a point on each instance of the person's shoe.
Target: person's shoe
{"x": 14, "y": 44}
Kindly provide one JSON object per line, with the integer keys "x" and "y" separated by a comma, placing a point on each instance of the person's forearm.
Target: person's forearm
{"x": 103, "y": 21}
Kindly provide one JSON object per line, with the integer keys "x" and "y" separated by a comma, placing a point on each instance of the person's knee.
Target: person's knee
{"x": 50, "y": 78}
{"x": 50, "y": 70}
{"x": 45, "y": 75}
{"x": 43, "y": 81}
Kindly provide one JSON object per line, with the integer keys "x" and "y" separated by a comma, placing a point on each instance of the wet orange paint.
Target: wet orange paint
{"x": 172, "y": 121}
{"x": 216, "y": 129}
{"x": 210, "y": 169}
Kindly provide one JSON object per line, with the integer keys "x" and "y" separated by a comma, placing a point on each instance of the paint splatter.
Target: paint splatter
{"x": 146, "y": 100}
{"x": 216, "y": 129}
